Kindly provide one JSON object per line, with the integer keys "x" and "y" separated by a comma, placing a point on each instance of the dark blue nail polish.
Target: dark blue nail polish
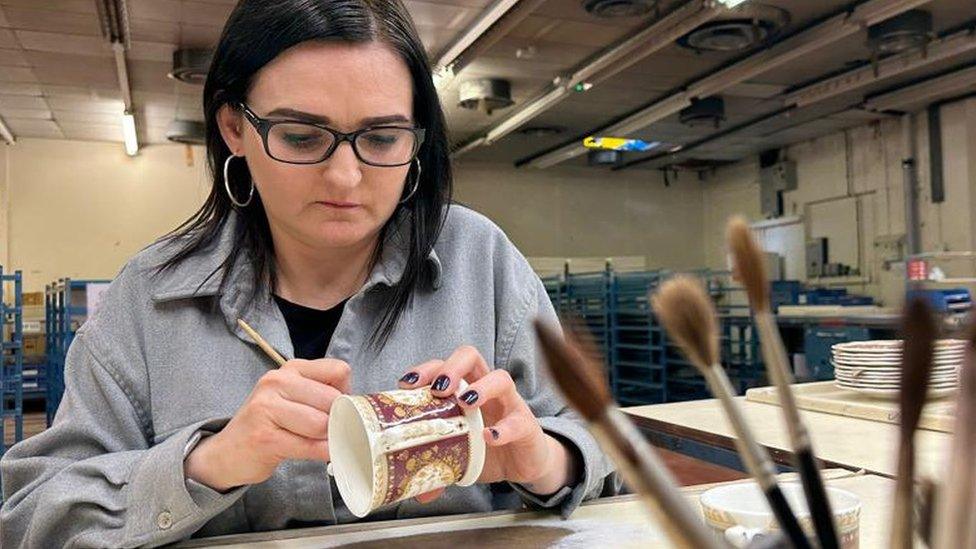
{"x": 470, "y": 397}
{"x": 410, "y": 377}
{"x": 494, "y": 433}
{"x": 441, "y": 383}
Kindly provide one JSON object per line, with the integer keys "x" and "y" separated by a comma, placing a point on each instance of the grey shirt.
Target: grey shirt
{"x": 163, "y": 361}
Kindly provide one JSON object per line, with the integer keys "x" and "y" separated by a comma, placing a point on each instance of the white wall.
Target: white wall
{"x": 573, "y": 212}
{"x": 81, "y": 209}
{"x": 851, "y": 188}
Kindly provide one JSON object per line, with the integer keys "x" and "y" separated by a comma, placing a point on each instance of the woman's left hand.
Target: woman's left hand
{"x": 517, "y": 448}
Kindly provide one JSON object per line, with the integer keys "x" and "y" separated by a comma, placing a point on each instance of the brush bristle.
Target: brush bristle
{"x": 579, "y": 377}
{"x": 920, "y": 331}
{"x": 688, "y": 315}
{"x": 748, "y": 260}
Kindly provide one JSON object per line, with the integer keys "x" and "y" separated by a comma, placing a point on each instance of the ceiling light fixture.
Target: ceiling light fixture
{"x": 732, "y": 3}
{"x": 129, "y": 134}
{"x": 5, "y": 133}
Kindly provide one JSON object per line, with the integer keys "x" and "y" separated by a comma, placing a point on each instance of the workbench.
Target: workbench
{"x": 618, "y": 522}
{"x": 699, "y": 429}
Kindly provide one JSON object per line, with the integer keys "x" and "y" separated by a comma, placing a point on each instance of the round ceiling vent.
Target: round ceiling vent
{"x": 707, "y": 112}
{"x": 191, "y": 65}
{"x": 485, "y": 94}
{"x": 599, "y": 157}
{"x": 908, "y": 31}
{"x": 618, "y": 8}
{"x": 190, "y": 132}
{"x": 740, "y": 29}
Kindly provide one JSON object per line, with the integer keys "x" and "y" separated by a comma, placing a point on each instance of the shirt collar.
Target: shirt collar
{"x": 199, "y": 275}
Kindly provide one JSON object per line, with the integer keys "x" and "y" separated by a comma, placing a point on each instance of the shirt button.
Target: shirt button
{"x": 164, "y": 520}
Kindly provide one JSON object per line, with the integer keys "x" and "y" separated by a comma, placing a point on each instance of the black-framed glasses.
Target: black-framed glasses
{"x": 296, "y": 142}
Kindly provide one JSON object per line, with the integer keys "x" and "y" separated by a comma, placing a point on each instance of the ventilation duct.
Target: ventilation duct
{"x": 485, "y": 94}
{"x": 741, "y": 29}
{"x": 191, "y": 65}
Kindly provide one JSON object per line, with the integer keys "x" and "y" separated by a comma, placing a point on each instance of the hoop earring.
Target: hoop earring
{"x": 416, "y": 183}
{"x": 250, "y": 194}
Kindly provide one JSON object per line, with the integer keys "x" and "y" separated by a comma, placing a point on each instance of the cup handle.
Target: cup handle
{"x": 740, "y": 536}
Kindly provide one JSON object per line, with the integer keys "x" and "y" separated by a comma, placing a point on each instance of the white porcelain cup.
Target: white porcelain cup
{"x": 391, "y": 446}
{"x": 739, "y": 512}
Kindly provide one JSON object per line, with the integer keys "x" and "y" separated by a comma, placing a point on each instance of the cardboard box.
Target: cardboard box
{"x": 33, "y": 298}
{"x": 34, "y": 344}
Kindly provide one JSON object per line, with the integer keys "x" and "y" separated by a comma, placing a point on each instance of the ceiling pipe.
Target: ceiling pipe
{"x": 788, "y": 50}
{"x": 941, "y": 49}
{"x": 957, "y": 82}
{"x": 681, "y": 151}
{"x": 494, "y": 24}
{"x": 605, "y": 64}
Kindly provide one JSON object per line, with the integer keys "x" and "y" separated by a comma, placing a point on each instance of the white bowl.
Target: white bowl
{"x": 744, "y": 505}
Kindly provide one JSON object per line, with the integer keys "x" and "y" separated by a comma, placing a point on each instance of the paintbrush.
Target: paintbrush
{"x": 955, "y": 510}
{"x": 264, "y": 345}
{"x": 581, "y": 380}
{"x": 919, "y": 332}
{"x": 689, "y": 316}
{"x": 748, "y": 261}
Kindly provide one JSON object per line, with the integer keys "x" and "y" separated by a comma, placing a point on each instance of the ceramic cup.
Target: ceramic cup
{"x": 391, "y": 446}
{"x": 739, "y": 512}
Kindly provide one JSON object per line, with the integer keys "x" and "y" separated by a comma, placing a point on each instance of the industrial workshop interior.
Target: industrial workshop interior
{"x": 488, "y": 273}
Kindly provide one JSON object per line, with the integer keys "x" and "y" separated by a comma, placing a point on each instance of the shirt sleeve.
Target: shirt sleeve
{"x": 94, "y": 479}
{"x": 524, "y": 362}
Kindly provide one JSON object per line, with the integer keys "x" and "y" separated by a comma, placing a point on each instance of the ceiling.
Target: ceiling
{"x": 58, "y": 77}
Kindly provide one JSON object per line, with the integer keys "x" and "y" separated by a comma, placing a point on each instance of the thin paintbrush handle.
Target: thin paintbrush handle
{"x": 823, "y": 518}
{"x": 901, "y": 518}
{"x": 774, "y": 354}
{"x": 647, "y": 476}
{"x": 787, "y": 520}
{"x": 755, "y": 456}
{"x": 268, "y": 349}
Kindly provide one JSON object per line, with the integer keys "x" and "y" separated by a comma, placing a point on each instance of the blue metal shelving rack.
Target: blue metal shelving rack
{"x": 555, "y": 287}
{"x": 643, "y": 365}
{"x": 63, "y": 317}
{"x": 637, "y": 349}
{"x": 11, "y": 372}
{"x": 586, "y": 299}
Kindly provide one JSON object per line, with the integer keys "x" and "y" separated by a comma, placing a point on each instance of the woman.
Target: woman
{"x": 328, "y": 231}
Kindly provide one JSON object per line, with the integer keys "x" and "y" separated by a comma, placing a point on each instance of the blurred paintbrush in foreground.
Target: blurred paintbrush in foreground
{"x": 748, "y": 261}
{"x": 919, "y": 331}
{"x": 584, "y": 385}
{"x": 955, "y": 512}
{"x": 689, "y": 316}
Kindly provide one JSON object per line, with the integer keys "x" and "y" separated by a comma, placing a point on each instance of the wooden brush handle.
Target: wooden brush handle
{"x": 901, "y": 519}
{"x": 755, "y": 456}
{"x": 646, "y": 475}
{"x": 817, "y": 500}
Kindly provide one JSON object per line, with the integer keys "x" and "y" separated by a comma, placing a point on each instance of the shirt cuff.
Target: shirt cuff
{"x": 596, "y": 472}
{"x": 167, "y": 509}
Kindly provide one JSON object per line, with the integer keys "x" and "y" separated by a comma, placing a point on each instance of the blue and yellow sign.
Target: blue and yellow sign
{"x": 619, "y": 144}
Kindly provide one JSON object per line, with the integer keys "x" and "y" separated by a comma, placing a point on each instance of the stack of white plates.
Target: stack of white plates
{"x": 874, "y": 367}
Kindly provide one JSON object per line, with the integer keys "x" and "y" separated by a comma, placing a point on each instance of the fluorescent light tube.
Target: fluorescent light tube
{"x": 129, "y": 134}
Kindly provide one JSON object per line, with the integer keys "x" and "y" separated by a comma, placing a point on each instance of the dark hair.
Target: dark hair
{"x": 257, "y": 32}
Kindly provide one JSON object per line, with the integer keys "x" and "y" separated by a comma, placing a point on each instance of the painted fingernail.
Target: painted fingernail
{"x": 470, "y": 397}
{"x": 410, "y": 377}
{"x": 494, "y": 433}
{"x": 441, "y": 383}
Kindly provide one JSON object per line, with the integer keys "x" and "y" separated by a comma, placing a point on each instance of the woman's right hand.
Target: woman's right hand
{"x": 286, "y": 416}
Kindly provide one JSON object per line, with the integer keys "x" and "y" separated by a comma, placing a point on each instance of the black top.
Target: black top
{"x": 310, "y": 329}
